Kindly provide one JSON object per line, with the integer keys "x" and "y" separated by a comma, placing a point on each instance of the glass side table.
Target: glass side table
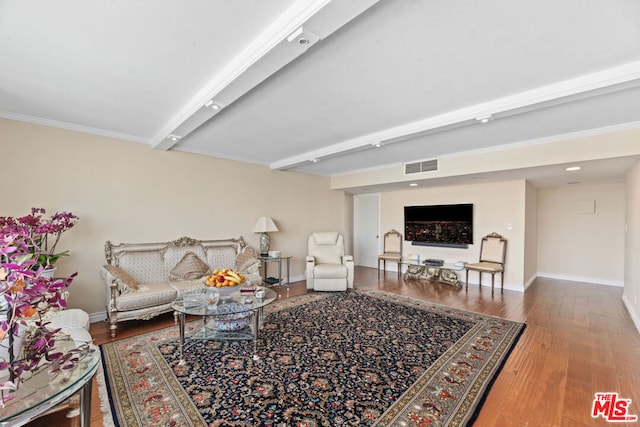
{"x": 45, "y": 390}
{"x": 277, "y": 259}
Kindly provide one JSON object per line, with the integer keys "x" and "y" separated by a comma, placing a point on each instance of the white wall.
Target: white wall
{"x": 530, "y": 235}
{"x": 579, "y": 246}
{"x": 631, "y": 295}
{"x": 495, "y": 206}
{"x": 128, "y": 192}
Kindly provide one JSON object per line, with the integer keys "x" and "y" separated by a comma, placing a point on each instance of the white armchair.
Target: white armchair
{"x": 328, "y": 268}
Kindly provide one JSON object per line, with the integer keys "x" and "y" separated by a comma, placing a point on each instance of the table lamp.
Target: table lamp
{"x": 264, "y": 225}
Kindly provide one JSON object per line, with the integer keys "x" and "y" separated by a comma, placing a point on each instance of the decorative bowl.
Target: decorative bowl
{"x": 226, "y": 291}
{"x": 231, "y": 321}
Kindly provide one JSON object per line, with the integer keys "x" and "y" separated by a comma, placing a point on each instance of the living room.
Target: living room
{"x": 113, "y": 164}
{"x": 125, "y": 192}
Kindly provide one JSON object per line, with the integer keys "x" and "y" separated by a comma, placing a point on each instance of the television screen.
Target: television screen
{"x": 447, "y": 225}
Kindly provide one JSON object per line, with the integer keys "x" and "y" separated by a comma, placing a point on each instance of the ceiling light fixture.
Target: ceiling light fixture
{"x": 314, "y": 160}
{"x": 174, "y": 138}
{"x": 573, "y": 168}
{"x": 377, "y": 144}
{"x": 213, "y": 105}
{"x": 413, "y": 184}
{"x": 303, "y": 37}
{"x": 485, "y": 119}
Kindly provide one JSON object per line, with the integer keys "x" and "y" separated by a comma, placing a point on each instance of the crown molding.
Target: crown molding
{"x": 73, "y": 127}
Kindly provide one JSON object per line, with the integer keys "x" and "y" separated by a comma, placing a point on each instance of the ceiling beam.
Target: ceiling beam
{"x": 289, "y": 36}
{"x": 584, "y": 86}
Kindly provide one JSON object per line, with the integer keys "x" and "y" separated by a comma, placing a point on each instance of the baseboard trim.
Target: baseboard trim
{"x": 100, "y": 316}
{"x": 632, "y": 313}
{"x": 529, "y": 282}
{"x": 582, "y": 279}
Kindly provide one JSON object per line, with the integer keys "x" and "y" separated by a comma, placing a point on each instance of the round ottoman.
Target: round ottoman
{"x": 70, "y": 319}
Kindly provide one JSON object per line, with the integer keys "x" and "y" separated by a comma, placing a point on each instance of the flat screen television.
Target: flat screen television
{"x": 439, "y": 225}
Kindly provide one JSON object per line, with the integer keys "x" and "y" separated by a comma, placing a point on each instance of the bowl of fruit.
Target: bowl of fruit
{"x": 227, "y": 282}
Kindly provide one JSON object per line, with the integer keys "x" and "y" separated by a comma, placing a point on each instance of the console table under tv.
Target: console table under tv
{"x": 445, "y": 273}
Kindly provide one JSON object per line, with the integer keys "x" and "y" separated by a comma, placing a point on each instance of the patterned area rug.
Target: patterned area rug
{"x": 362, "y": 358}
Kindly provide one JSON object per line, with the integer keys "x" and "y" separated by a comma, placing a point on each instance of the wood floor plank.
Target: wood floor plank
{"x": 579, "y": 340}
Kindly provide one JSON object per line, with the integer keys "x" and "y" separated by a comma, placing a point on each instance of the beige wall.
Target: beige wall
{"x": 586, "y": 247}
{"x": 495, "y": 206}
{"x": 631, "y": 296}
{"x": 128, "y": 192}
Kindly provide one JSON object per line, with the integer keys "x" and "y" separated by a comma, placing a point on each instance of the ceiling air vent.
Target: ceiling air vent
{"x": 421, "y": 166}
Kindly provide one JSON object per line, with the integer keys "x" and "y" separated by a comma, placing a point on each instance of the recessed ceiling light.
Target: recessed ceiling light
{"x": 174, "y": 138}
{"x": 212, "y": 104}
{"x": 573, "y": 168}
{"x": 377, "y": 144}
{"x": 573, "y": 182}
{"x": 485, "y": 119}
{"x": 314, "y": 160}
{"x": 413, "y": 184}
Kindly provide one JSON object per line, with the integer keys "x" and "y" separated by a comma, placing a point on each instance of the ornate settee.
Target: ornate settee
{"x": 143, "y": 279}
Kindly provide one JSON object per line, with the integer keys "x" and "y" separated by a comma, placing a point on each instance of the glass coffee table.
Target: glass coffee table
{"x": 236, "y": 316}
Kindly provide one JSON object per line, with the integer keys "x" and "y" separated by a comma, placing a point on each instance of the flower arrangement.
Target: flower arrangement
{"x": 26, "y": 296}
{"x": 40, "y": 234}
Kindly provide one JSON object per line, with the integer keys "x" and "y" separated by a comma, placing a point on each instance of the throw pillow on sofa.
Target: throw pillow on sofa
{"x": 190, "y": 267}
{"x": 247, "y": 261}
{"x": 125, "y": 282}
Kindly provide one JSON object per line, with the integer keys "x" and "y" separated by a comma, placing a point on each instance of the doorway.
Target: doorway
{"x": 366, "y": 224}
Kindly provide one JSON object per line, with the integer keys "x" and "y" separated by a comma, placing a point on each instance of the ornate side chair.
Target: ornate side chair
{"x": 392, "y": 250}
{"x": 493, "y": 250}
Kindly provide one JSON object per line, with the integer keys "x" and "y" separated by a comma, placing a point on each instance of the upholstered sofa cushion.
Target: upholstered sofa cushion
{"x": 190, "y": 267}
{"x": 147, "y": 295}
{"x": 329, "y": 271}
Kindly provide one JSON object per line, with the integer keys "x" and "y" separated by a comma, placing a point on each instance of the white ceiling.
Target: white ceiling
{"x": 413, "y": 74}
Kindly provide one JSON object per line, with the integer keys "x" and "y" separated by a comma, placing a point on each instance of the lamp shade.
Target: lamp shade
{"x": 265, "y": 225}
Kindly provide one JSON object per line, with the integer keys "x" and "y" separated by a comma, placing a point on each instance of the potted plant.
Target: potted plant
{"x": 27, "y": 296}
{"x": 42, "y": 234}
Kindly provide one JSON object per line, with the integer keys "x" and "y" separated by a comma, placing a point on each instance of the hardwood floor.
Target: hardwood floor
{"x": 579, "y": 340}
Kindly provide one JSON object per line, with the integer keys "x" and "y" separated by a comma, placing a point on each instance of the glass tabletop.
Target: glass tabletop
{"x": 282, "y": 255}
{"x": 456, "y": 266}
{"x": 237, "y": 302}
{"x": 46, "y": 389}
